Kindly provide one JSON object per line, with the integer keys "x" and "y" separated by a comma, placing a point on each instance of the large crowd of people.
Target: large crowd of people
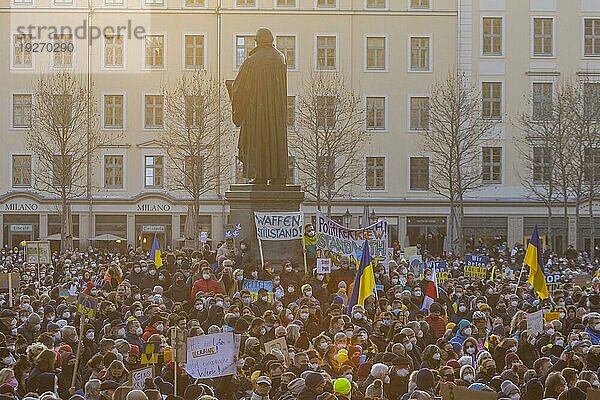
{"x": 475, "y": 335}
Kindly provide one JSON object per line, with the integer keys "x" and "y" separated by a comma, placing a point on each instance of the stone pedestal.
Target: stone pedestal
{"x": 244, "y": 200}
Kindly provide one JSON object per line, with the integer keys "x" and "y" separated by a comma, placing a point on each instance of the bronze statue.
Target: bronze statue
{"x": 259, "y": 102}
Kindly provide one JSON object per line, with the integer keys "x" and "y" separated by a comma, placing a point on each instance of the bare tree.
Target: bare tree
{"x": 329, "y": 137}
{"x": 456, "y": 131}
{"x": 196, "y": 138}
{"x": 64, "y": 138}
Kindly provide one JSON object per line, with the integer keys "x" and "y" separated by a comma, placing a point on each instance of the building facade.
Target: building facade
{"x": 390, "y": 51}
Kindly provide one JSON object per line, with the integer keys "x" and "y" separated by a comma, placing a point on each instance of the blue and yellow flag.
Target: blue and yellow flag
{"x": 364, "y": 283}
{"x": 533, "y": 259}
{"x": 155, "y": 253}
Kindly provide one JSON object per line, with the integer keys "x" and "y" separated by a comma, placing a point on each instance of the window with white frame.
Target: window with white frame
{"x": 22, "y": 2}
{"x": 542, "y": 107}
{"x": 21, "y": 170}
{"x": 63, "y": 41}
{"x": 491, "y": 98}
{"x": 62, "y": 170}
{"x": 243, "y": 45}
{"x": 375, "y": 173}
{"x": 541, "y": 165}
{"x": 194, "y": 110}
{"x": 591, "y": 36}
{"x": 419, "y": 113}
{"x": 245, "y": 3}
{"x": 376, "y": 53}
{"x": 376, "y": 113}
{"x": 113, "y": 111}
{"x": 287, "y": 45}
{"x": 419, "y": 173}
{"x": 155, "y": 2}
{"x": 419, "y": 4}
{"x": 194, "y": 51}
{"x": 195, "y": 3}
{"x": 114, "y": 2}
{"x": 22, "y": 50}
{"x": 153, "y": 171}
{"x": 326, "y": 3}
{"x": 492, "y": 36}
{"x": 591, "y": 100}
{"x": 21, "y": 112}
{"x": 543, "y": 40}
{"x": 326, "y": 53}
{"x": 491, "y": 165}
{"x": 326, "y": 112}
{"x": 113, "y": 171}
{"x": 153, "y": 111}
{"x": 376, "y": 3}
{"x": 113, "y": 50}
{"x": 286, "y": 3}
{"x": 291, "y": 111}
{"x": 419, "y": 53}
{"x": 154, "y": 51}
{"x": 63, "y": 2}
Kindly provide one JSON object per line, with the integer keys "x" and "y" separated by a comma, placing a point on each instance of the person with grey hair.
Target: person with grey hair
{"x": 92, "y": 389}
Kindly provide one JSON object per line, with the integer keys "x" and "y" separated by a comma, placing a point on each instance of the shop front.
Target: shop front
{"x": 482, "y": 233}
{"x": 427, "y": 231}
{"x": 147, "y": 226}
{"x": 555, "y": 236}
{"x": 111, "y": 225}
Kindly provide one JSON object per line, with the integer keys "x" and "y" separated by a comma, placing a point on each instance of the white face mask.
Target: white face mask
{"x": 308, "y": 293}
{"x": 468, "y": 378}
{"x": 139, "y": 331}
{"x": 515, "y": 396}
{"x": 206, "y": 276}
{"x": 468, "y": 331}
{"x": 160, "y": 327}
{"x": 462, "y": 309}
{"x": 597, "y": 327}
{"x": 349, "y": 377}
{"x": 437, "y": 356}
{"x": 402, "y": 372}
{"x": 471, "y": 350}
{"x": 408, "y": 346}
{"x": 323, "y": 346}
{"x": 513, "y": 349}
{"x": 90, "y": 335}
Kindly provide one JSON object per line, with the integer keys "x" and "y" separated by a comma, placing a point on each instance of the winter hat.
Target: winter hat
{"x": 435, "y": 307}
{"x": 453, "y": 363}
{"x": 482, "y": 356}
{"x": 465, "y": 360}
{"x": 296, "y": 386}
{"x": 313, "y": 379}
{"x": 462, "y": 324}
{"x": 479, "y": 386}
{"x": 507, "y": 387}
{"x": 375, "y": 389}
{"x": 425, "y": 380}
{"x": 379, "y": 370}
{"x": 136, "y": 395}
{"x": 302, "y": 342}
{"x": 342, "y": 386}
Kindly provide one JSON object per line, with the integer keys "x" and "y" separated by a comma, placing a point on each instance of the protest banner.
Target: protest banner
{"x": 583, "y": 281}
{"x": 149, "y": 353}
{"x": 475, "y": 272}
{"x": 279, "y": 344}
{"x": 86, "y": 305}
{"x": 335, "y": 241}
{"x": 253, "y": 286}
{"x": 323, "y": 265}
{"x": 410, "y": 251}
{"x": 551, "y": 316}
{"x": 535, "y": 322}
{"x": 414, "y": 264}
{"x": 553, "y": 281}
{"x": 476, "y": 261}
{"x": 137, "y": 377}
{"x": 38, "y": 252}
{"x": 279, "y": 225}
{"x": 441, "y": 268}
{"x": 453, "y": 392}
{"x": 211, "y": 356}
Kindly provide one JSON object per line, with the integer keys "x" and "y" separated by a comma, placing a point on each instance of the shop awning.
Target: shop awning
{"x": 56, "y": 236}
{"x": 107, "y": 237}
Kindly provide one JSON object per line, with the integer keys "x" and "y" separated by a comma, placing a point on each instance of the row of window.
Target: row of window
{"x": 375, "y": 170}
{"x": 194, "y": 51}
{"x": 369, "y": 4}
{"x": 543, "y": 37}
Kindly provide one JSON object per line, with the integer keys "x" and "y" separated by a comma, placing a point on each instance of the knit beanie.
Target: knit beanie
{"x": 375, "y": 389}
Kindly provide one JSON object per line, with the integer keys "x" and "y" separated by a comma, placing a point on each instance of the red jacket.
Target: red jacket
{"x": 210, "y": 285}
{"x": 438, "y": 326}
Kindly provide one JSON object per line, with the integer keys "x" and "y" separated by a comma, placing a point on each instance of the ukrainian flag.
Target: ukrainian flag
{"x": 533, "y": 258}
{"x": 364, "y": 283}
{"x": 155, "y": 253}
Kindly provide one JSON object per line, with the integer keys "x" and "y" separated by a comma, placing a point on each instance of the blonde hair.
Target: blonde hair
{"x": 6, "y": 374}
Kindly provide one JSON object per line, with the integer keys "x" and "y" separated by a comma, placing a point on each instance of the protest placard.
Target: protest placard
{"x": 279, "y": 344}
{"x": 253, "y": 285}
{"x": 551, "y": 316}
{"x": 476, "y": 261}
{"x": 583, "y": 281}
{"x": 323, "y": 265}
{"x": 211, "y": 356}
{"x": 38, "y": 252}
{"x": 475, "y": 272}
{"x": 335, "y": 241}
{"x": 553, "y": 281}
{"x": 15, "y": 278}
{"x": 453, "y": 392}
{"x": 149, "y": 353}
{"x": 410, "y": 251}
{"x": 535, "y": 322}
{"x": 137, "y": 377}
{"x": 414, "y": 264}
{"x": 86, "y": 305}
{"x": 279, "y": 225}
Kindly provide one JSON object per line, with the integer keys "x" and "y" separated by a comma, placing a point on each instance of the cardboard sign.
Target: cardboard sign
{"x": 410, "y": 251}
{"x": 279, "y": 225}
{"x": 535, "y": 322}
{"x": 38, "y": 252}
{"x": 453, "y": 392}
{"x": 253, "y": 286}
{"x": 279, "y": 344}
{"x": 15, "y": 279}
{"x": 323, "y": 265}
{"x": 583, "y": 281}
{"x": 137, "y": 377}
{"x": 149, "y": 353}
{"x": 211, "y": 356}
{"x": 414, "y": 264}
{"x": 86, "y": 305}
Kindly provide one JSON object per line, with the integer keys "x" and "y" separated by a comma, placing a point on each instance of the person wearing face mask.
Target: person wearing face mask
{"x": 206, "y": 284}
{"x": 432, "y": 357}
{"x": 307, "y": 295}
{"x": 156, "y": 325}
{"x": 136, "y": 275}
{"x": 134, "y": 332}
{"x": 464, "y": 329}
{"x": 467, "y": 376}
{"x": 90, "y": 347}
{"x": 592, "y": 322}
{"x": 262, "y": 303}
{"x": 292, "y": 294}
{"x": 319, "y": 287}
{"x": 178, "y": 291}
{"x": 31, "y": 328}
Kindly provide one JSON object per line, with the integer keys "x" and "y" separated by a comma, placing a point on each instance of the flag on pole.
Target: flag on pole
{"x": 364, "y": 283}
{"x": 533, "y": 259}
{"x": 155, "y": 253}
{"x": 431, "y": 291}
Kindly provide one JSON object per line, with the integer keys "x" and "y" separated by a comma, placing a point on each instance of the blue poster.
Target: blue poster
{"x": 476, "y": 261}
